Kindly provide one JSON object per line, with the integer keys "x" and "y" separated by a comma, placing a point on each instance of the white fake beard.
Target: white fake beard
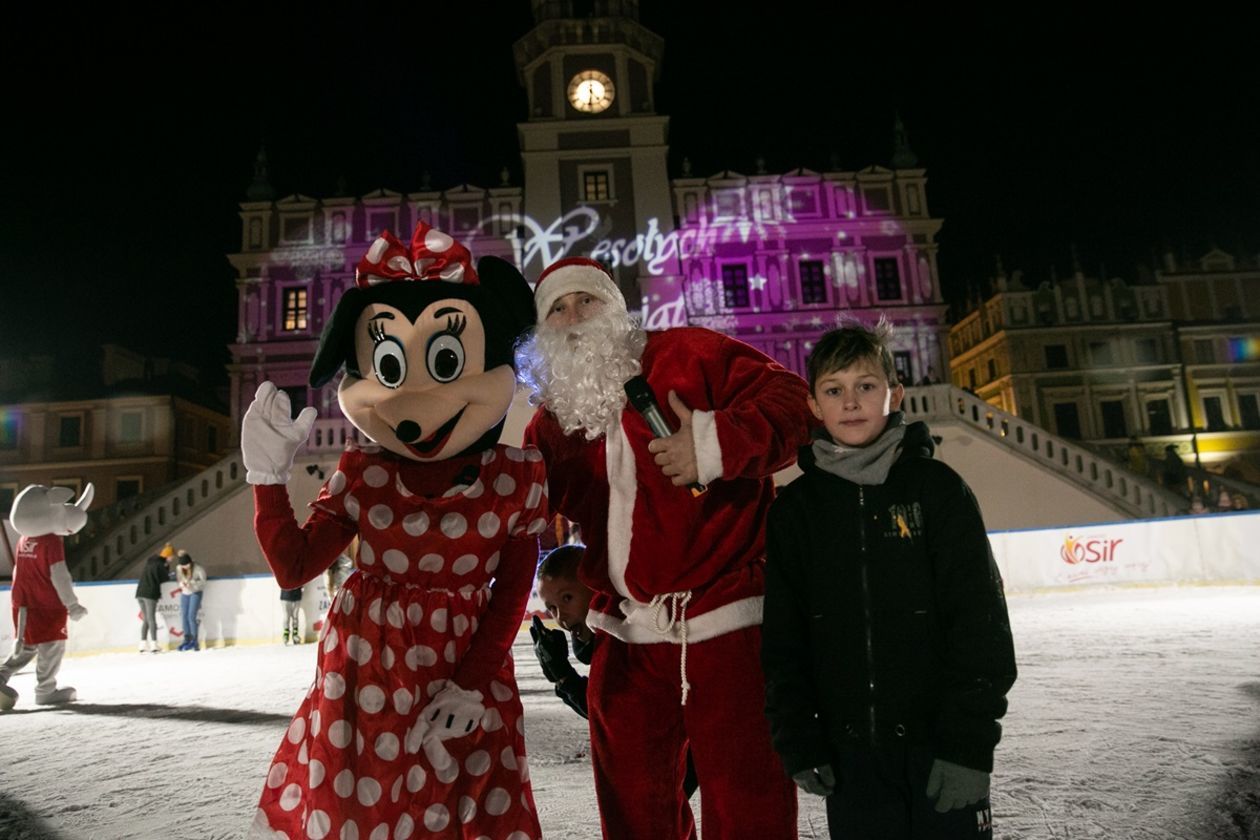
{"x": 578, "y": 371}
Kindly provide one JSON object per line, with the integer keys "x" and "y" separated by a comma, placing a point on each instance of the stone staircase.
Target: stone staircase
{"x": 1135, "y": 495}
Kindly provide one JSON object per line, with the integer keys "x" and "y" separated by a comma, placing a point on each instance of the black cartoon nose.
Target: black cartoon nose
{"x": 408, "y": 431}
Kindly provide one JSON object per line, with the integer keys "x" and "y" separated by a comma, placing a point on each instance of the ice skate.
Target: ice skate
{"x": 8, "y": 697}
{"x": 144, "y": 646}
{"x": 56, "y": 697}
{"x": 153, "y": 646}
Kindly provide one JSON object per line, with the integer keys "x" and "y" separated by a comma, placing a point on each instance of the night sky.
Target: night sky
{"x": 127, "y": 154}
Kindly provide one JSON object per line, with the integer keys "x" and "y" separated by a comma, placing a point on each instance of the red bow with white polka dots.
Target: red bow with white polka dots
{"x": 432, "y": 256}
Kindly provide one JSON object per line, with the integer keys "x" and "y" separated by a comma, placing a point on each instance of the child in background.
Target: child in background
{"x": 886, "y": 645}
{"x": 291, "y": 599}
{"x": 567, "y": 600}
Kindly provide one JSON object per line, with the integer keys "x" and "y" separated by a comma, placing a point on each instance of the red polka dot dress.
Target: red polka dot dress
{"x": 406, "y": 621}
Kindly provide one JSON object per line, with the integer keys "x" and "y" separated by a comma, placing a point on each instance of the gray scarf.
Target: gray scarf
{"x": 866, "y": 464}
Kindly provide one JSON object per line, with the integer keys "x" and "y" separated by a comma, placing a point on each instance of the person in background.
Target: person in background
{"x": 291, "y": 599}
{"x": 1196, "y": 505}
{"x": 1240, "y": 502}
{"x": 336, "y": 574}
{"x": 1224, "y": 501}
{"x": 1173, "y": 474}
{"x": 157, "y": 570}
{"x": 192, "y": 581}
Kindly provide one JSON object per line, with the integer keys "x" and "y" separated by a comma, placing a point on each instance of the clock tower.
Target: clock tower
{"x": 593, "y": 147}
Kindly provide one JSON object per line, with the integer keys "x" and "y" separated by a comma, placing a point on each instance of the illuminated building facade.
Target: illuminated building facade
{"x": 772, "y": 259}
{"x": 1174, "y": 360}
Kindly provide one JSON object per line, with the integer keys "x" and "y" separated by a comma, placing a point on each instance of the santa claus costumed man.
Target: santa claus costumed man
{"x": 678, "y": 575}
{"x": 413, "y": 726}
{"x": 43, "y": 591}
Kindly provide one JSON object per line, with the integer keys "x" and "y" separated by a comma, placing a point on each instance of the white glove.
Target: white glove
{"x": 452, "y": 713}
{"x": 76, "y": 611}
{"x": 270, "y": 438}
{"x": 956, "y": 785}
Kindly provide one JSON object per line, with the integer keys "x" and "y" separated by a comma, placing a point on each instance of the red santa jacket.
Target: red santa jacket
{"x": 33, "y": 589}
{"x": 647, "y": 539}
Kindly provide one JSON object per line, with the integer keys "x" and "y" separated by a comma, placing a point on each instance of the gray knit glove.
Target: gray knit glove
{"x": 821, "y": 781}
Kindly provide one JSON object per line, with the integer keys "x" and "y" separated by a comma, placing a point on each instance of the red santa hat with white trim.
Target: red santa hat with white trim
{"x": 575, "y": 274}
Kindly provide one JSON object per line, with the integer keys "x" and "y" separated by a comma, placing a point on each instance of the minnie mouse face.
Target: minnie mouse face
{"x": 424, "y": 391}
{"x": 427, "y": 345}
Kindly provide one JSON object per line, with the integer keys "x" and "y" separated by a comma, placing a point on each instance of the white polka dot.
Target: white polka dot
{"x": 497, "y": 802}
{"x": 512, "y": 529}
{"x": 378, "y": 249}
{"x": 534, "y": 496}
{"x": 344, "y": 783}
{"x": 387, "y": 746}
{"x": 478, "y": 763}
{"x": 467, "y": 809}
{"x": 339, "y": 735}
{"x": 318, "y": 824}
{"x": 350, "y": 831}
{"x": 430, "y": 563}
{"x": 420, "y": 656}
{"x": 492, "y": 563}
{"x": 402, "y": 488}
{"x": 359, "y": 649}
{"x": 492, "y": 721}
{"x": 291, "y": 797}
{"x": 454, "y": 491}
{"x": 434, "y": 687}
{"x": 500, "y": 691}
{"x": 488, "y": 525}
{"x": 416, "y": 524}
{"x": 399, "y": 263}
{"x": 519, "y": 835}
{"x": 520, "y": 725}
{"x": 334, "y": 685}
{"x": 381, "y": 832}
{"x": 317, "y": 772}
{"x": 437, "y": 619}
{"x": 402, "y": 701}
{"x": 394, "y": 615}
{"x": 396, "y": 790}
{"x": 367, "y": 555}
{"x": 532, "y": 454}
{"x": 537, "y": 526}
{"x": 414, "y": 613}
{"x": 436, "y": 817}
{"x": 374, "y": 611}
{"x": 404, "y": 828}
{"x": 508, "y": 758}
{"x": 452, "y": 273}
{"x": 330, "y": 641}
{"x": 297, "y": 729}
{"x": 475, "y": 491}
{"x": 504, "y": 485}
{"x": 448, "y": 772}
{"x": 369, "y": 791}
{"x": 303, "y": 755}
{"x": 436, "y": 241}
{"x": 454, "y": 525}
{"x": 459, "y": 624}
{"x": 395, "y": 561}
{"x": 352, "y": 506}
{"x": 375, "y": 476}
{"x": 371, "y": 699}
{"x": 276, "y": 777}
{"x": 337, "y": 483}
{"x": 347, "y": 602}
{"x": 315, "y": 719}
{"x": 381, "y": 516}
{"x": 524, "y": 769}
{"x": 465, "y": 564}
{"x": 514, "y": 454}
{"x": 387, "y": 658}
{"x": 449, "y": 653}
{"x": 415, "y": 778}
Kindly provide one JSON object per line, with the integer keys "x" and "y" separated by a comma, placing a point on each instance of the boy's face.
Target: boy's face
{"x": 854, "y": 403}
{"x": 567, "y": 601}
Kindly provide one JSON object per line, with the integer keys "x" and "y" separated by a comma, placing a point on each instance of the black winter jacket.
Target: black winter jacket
{"x": 154, "y": 574}
{"x": 884, "y": 615}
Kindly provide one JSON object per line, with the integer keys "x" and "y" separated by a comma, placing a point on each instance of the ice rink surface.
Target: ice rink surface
{"x": 1136, "y": 715}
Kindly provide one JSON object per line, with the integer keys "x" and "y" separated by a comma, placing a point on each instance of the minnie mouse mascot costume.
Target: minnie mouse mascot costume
{"x": 413, "y": 726}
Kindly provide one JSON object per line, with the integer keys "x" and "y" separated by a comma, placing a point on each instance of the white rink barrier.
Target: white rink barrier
{"x": 1216, "y": 548}
{"x": 1219, "y": 548}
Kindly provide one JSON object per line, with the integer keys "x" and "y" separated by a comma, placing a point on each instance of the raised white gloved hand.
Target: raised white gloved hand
{"x": 270, "y": 437}
{"x": 954, "y": 786}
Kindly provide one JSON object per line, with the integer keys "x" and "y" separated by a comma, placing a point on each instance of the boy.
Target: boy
{"x": 886, "y": 645}
{"x": 567, "y": 600}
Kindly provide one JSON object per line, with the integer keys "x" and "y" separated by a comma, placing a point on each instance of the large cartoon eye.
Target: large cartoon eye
{"x": 389, "y": 362}
{"x": 445, "y": 357}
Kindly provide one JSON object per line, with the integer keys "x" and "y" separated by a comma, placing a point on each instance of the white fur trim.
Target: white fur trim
{"x": 575, "y": 278}
{"x": 636, "y": 628}
{"x": 623, "y": 487}
{"x": 704, "y": 437}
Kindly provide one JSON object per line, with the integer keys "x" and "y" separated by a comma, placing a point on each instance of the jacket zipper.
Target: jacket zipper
{"x": 866, "y": 615}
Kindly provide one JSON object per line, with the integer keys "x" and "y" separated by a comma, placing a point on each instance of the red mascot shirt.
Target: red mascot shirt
{"x": 33, "y": 589}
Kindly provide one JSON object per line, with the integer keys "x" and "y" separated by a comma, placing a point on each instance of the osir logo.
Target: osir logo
{"x": 1089, "y": 550}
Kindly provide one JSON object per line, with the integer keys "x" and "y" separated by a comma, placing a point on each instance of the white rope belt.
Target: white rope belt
{"x": 676, "y": 615}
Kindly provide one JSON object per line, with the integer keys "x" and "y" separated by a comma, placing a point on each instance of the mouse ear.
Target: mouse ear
{"x": 508, "y": 287}
{"x": 336, "y": 343}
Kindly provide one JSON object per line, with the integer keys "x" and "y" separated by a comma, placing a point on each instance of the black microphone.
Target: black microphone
{"x": 644, "y": 402}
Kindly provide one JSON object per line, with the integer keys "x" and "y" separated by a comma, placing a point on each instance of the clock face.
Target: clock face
{"x": 591, "y": 91}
